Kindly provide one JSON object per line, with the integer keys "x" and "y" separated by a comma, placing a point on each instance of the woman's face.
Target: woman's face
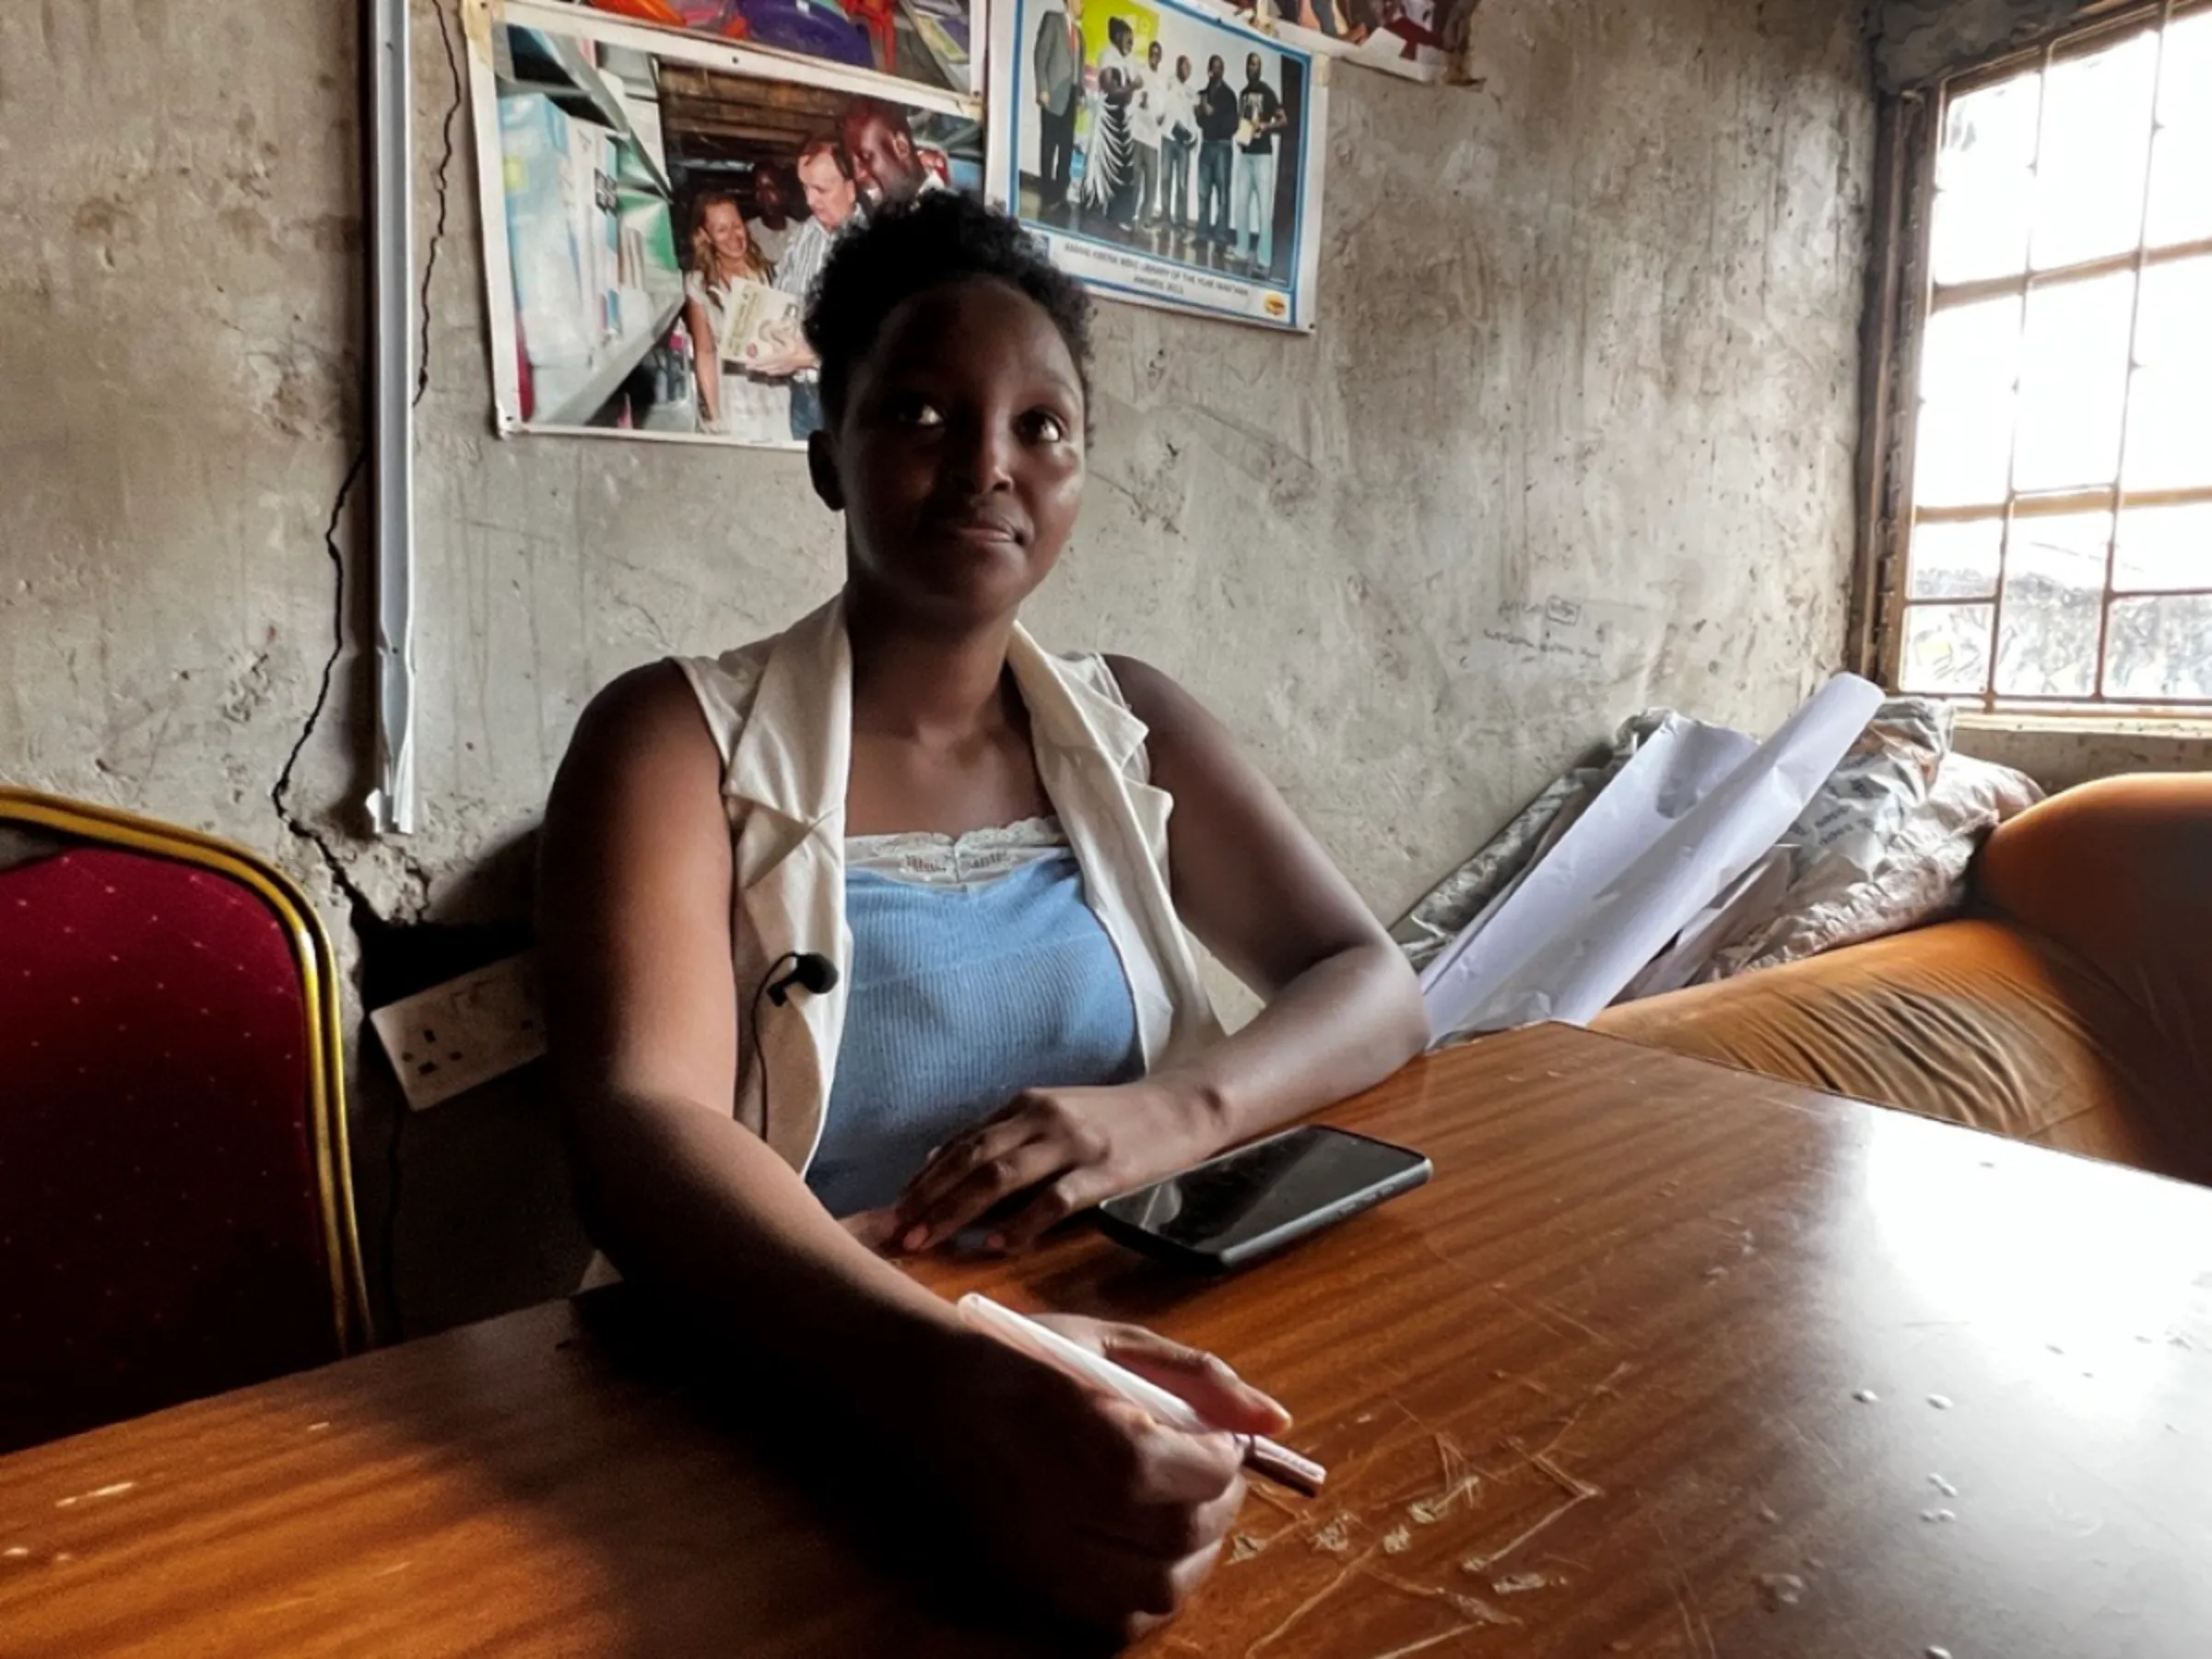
{"x": 958, "y": 461}
{"x": 726, "y": 229}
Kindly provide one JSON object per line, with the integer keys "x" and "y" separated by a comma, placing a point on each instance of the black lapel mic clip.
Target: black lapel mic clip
{"x": 810, "y": 971}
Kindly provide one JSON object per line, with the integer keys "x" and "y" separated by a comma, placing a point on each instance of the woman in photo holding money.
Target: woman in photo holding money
{"x": 727, "y": 299}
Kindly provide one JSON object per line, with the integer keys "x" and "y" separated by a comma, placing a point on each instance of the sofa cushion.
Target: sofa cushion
{"x": 2120, "y": 872}
{"x": 1978, "y": 1021}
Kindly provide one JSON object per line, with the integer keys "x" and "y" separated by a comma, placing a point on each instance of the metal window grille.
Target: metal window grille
{"x": 2058, "y": 502}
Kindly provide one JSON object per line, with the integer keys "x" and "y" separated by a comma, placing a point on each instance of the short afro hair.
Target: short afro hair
{"x": 909, "y": 248}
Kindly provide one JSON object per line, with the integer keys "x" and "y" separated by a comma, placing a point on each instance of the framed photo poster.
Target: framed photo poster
{"x": 656, "y": 207}
{"x": 1164, "y": 152}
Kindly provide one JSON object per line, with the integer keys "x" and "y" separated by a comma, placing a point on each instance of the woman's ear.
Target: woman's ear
{"x": 821, "y": 466}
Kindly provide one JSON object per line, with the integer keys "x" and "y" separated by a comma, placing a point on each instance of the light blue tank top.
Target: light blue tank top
{"x": 959, "y": 997}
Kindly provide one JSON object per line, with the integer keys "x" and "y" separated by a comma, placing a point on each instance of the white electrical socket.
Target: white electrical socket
{"x": 466, "y": 1031}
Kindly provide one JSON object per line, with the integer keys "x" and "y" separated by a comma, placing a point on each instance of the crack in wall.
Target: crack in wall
{"x": 363, "y": 912}
{"x": 438, "y": 183}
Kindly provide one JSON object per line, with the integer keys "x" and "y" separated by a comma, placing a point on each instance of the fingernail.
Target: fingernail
{"x": 915, "y": 1238}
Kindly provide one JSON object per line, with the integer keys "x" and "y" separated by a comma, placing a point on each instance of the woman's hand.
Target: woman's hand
{"x": 785, "y": 360}
{"x": 1111, "y": 1519}
{"x": 876, "y": 1229}
{"x": 1051, "y": 1152}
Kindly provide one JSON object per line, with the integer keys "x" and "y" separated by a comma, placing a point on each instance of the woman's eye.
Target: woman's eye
{"x": 1044, "y": 427}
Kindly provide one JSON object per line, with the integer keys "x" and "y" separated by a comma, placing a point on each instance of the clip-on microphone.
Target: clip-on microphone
{"x": 810, "y": 971}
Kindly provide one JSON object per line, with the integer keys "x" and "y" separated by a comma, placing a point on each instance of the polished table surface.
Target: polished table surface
{"x": 1666, "y": 1359}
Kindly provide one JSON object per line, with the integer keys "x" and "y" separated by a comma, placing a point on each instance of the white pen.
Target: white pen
{"x": 1261, "y": 1456}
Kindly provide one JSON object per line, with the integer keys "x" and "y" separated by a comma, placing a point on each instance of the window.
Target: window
{"x": 2054, "y": 518}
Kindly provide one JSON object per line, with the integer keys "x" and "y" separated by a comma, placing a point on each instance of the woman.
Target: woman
{"x": 976, "y": 837}
{"x": 731, "y": 402}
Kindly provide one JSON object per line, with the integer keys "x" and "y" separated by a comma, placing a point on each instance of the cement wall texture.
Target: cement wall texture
{"x": 1917, "y": 41}
{"x": 2058, "y": 754}
{"x": 1574, "y": 438}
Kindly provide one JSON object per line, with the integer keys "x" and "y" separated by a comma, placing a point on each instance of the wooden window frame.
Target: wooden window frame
{"x": 1899, "y": 302}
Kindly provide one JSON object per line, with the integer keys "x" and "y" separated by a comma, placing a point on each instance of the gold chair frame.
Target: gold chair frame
{"x": 317, "y": 966}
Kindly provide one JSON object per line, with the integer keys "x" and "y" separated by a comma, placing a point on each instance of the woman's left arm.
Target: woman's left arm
{"x": 1344, "y": 1010}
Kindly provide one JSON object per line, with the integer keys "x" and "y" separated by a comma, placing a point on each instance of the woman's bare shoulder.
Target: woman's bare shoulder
{"x": 643, "y": 734}
{"x": 1171, "y": 713}
{"x": 651, "y": 704}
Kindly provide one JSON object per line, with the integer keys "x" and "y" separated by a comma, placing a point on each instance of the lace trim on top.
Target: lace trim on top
{"x": 935, "y": 860}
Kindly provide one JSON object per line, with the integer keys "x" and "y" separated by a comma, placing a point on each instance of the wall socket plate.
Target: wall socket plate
{"x": 447, "y": 1040}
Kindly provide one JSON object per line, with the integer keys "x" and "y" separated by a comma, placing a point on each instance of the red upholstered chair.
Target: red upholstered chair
{"x": 176, "y": 1211}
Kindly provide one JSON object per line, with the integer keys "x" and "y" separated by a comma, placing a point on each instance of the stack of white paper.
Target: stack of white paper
{"x": 1689, "y": 812}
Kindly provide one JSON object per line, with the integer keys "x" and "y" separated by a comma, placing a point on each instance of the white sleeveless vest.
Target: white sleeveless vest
{"x": 782, "y": 713}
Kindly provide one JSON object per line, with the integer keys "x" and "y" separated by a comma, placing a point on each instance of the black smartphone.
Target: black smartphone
{"x": 1252, "y": 1201}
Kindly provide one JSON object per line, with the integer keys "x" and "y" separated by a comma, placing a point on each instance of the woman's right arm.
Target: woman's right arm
{"x": 1109, "y": 1517}
{"x": 706, "y": 363}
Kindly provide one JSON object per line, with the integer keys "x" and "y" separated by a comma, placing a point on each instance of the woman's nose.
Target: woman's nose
{"x": 982, "y": 455}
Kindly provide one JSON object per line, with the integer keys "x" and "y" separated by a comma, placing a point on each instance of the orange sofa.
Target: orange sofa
{"x": 2071, "y": 1006}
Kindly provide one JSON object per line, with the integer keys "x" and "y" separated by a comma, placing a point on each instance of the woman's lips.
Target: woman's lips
{"x": 983, "y": 528}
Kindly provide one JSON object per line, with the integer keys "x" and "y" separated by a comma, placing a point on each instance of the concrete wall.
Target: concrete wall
{"x": 2058, "y": 754}
{"x": 1575, "y": 437}
{"x": 1917, "y": 40}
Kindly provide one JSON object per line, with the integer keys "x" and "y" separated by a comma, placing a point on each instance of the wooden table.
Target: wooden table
{"x": 1666, "y": 1360}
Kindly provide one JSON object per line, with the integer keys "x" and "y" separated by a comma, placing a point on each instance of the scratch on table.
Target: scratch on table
{"x": 1704, "y": 1647}
{"x": 1812, "y": 1441}
{"x": 1579, "y": 1492}
{"x": 1686, "y": 1598}
{"x": 1335, "y": 1538}
{"x": 1441, "y": 1258}
{"x": 1466, "y": 1607}
{"x": 1575, "y": 1415}
{"x": 1336, "y": 1584}
{"x": 1590, "y": 1331}
{"x": 1331, "y": 1538}
{"x": 1428, "y": 1512}
{"x": 1454, "y": 1481}
{"x": 1425, "y": 1642}
{"x": 1572, "y": 1484}
{"x": 1514, "y": 1303}
{"x": 1413, "y": 1417}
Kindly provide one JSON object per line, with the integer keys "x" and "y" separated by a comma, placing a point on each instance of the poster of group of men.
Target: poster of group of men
{"x": 662, "y": 181}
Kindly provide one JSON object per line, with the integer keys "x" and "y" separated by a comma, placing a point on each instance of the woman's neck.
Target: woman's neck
{"x": 914, "y": 681}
